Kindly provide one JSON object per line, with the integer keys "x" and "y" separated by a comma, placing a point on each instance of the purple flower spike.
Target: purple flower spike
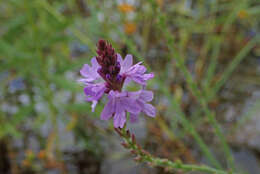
{"x": 107, "y": 75}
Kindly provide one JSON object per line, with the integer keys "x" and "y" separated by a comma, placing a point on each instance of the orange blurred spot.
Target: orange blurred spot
{"x": 42, "y": 154}
{"x": 130, "y": 28}
{"x": 125, "y": 8}
{"x": 242, "y": 14}
{"x": 159, "y": 2}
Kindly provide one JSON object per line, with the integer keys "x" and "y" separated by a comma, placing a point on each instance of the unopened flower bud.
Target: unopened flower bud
{"x": 133, "y": 152}
{"x": 133, "y": 139}
{"x": 118, "y": 131}
{"x": 125, "y": 145}
{"x": 138, "y": 159}
{"x": 128, "y": 133}
{"x": 108, "y": 76}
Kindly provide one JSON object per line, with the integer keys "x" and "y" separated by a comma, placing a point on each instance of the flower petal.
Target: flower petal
{"x": 94, "y": 63}
{"x": 127, "y": 62}
{"x": 87, "y": 72}
{"x": 93, "y": 106}
{"x": 130, "y": 105}
{"x": 119, "y": 105}
{"x": 94, "y": 91}
{"x": 108, "y": 110}
{"x": 148, "y": 76}
{"x": 146, "y": 96}
{"x": 119, "y": 58}
{"x": 136, "y": 73}
{"x": 140, "y": 69}
{"x": 134, "y": 95}
{"x": 138, "y": 79}
{"x": 119, "y": 119}
{"x": 90, "y": 72}
{"x": 134, "y": 69}
{"x": 149, "y": 110}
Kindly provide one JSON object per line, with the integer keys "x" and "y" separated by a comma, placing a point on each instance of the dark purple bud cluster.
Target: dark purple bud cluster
{"x": 110, "y": 67}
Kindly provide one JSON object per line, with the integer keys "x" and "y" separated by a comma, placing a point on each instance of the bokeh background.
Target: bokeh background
{"x": 205, "y": 56}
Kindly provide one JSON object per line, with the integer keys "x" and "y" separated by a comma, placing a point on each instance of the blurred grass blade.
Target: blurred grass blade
{"x": 232, "y": 66}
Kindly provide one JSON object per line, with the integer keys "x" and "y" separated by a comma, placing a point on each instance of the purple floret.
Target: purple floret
{"x": 117, "y": 105}
{"x": 141, "y": 98}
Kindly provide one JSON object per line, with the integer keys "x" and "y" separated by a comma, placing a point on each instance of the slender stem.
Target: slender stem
{"x": 62, "y": 19}
{"x": 238, "y": 58}
{"x": 190, "y": 128}
{"x": 213, "y": 64}
{"x": 144, "y": 156}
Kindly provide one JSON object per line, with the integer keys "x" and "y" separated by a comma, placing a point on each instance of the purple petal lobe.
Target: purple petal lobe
{"x": 87, "y": 73}
{"x": 119, "y": 105}
{"x": 134, "y": 95}
{"x": 140, "y": 98}
{"x": 90, "y": 72}
{"x": 108, "y": 110}
{"x": 149, "y": 110}
{"x": 138, "y": 79}
{"x": 130, "y": 105}
{"x": 94, "y": 91}
{"x": 140, "y": 69}
{"x": 136, "y": 73}
{"x": 94, "y": 63}
{"x": 146, "y": 96}
{"x": 119, "y": 58}
{"x": 148, "y": 76}
{"x": 127, "y": 63}
{"x": 119, "y": 119}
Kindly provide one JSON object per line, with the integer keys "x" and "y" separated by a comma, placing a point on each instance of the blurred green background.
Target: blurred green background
{"x": 206, "y": 60}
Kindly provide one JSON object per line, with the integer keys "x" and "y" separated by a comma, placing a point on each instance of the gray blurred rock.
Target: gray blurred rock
{"x": 247, "y": 161}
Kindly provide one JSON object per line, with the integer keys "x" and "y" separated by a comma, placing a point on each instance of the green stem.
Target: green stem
{"x": 213, "y": 64}
{"x": 62, "y": 19}
{"x": 144, "y": 156}
{"x": 235, "y": 62}
{"x": 189, "y": 128}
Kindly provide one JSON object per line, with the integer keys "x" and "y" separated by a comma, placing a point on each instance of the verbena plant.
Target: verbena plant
{"x": 44, "y": 44}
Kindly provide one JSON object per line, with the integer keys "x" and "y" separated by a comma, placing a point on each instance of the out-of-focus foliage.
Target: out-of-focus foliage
{"x": 193, "y": 47}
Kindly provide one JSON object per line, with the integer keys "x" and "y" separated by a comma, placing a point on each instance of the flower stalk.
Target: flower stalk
{"x": 142, "y": 155}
